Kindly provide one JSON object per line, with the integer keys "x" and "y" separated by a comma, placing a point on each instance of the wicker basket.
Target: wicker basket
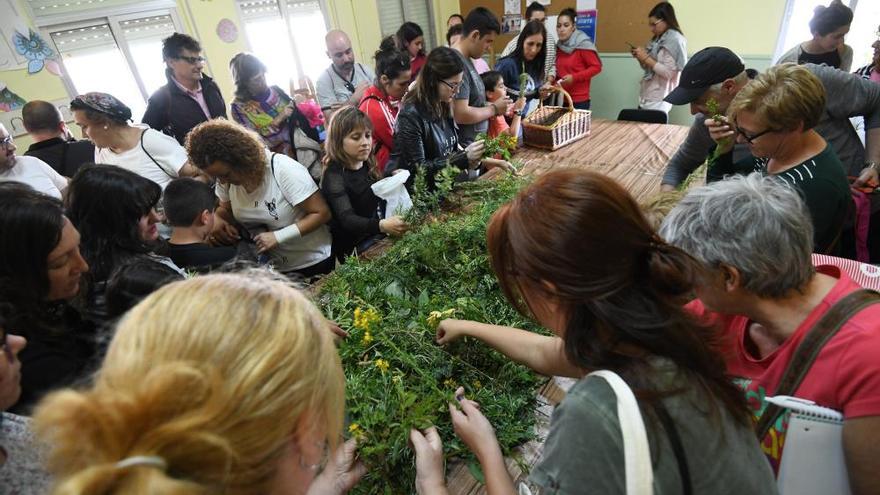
{"x": 572, "y": 126}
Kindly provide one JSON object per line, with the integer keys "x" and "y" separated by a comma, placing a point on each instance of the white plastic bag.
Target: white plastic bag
{"x": 393, "y": 191}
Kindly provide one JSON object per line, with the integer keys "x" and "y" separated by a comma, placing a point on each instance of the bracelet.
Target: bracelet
{"x": 495, "y": 109}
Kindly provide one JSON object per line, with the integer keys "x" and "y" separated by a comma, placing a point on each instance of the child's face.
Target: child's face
{"x": 357, "y": 145}
{"x": 499, "y": 92}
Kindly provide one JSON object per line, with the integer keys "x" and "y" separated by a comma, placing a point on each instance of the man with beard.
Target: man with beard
{"x": 344, "y": 82}
{"x": 27, "y": 169}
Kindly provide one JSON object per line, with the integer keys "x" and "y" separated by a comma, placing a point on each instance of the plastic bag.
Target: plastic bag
{"x": 393, "y": 191}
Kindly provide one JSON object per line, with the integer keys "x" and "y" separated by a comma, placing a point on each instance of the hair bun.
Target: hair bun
{"x": 671, "y": 271}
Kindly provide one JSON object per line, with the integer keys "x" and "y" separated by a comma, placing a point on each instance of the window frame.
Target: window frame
{"x": 113, "y": 18}
{"x": 285, "y": 16}
{"x": 431, "y": 37}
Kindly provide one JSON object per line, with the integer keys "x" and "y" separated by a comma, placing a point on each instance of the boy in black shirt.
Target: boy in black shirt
{"x": 189, "y": 208}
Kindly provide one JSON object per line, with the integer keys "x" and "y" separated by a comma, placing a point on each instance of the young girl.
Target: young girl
{"x": 496, "y": 89}
{"x": 351, "y": 170}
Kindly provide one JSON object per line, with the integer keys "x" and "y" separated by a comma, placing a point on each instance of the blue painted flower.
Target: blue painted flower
{"x": 34, "y": 48}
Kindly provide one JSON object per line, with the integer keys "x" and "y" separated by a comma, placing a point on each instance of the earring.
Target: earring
{"x": 106, "y": 127}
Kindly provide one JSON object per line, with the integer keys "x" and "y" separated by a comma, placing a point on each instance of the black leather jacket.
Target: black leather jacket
{"x": 422, "y": 140}
{"x": 175, "y": 113}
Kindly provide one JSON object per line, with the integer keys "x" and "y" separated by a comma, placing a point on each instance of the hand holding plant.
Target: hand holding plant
{"x": 341, "y": 473}
{"x": 473, "y": 428}
{"x": 430, "y": 471}
{"x": 450, "y": 330}
{"x": 475, "y": 150}
{"x": 719, "y": 130}
{"x": 393, "y": 226}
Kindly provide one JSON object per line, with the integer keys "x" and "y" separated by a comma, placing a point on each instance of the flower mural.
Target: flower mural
{"x": 33, "y": 48}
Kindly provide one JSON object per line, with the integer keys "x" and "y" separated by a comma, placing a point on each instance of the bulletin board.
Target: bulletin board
{"x": 618, "y": 22}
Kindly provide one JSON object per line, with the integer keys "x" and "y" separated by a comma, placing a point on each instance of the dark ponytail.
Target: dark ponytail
{"x": 390, "y": 61}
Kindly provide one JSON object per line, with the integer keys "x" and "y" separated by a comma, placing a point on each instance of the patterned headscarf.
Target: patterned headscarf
{"x": 103, "y": 103}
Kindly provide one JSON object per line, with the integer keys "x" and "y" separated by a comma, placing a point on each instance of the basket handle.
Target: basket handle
{"x": 565, "y": 95}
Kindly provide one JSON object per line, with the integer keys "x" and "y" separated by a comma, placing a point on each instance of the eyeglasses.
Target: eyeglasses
{"x": 192, "y": 60}
{"x": 453, "y": 86}
{"x": 750, "y": 139}
{"x": 5, "y": 142}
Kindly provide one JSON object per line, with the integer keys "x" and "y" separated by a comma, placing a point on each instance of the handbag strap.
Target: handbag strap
{"x": 636, "y": 452}
{"x": 151, "y": 156}
{"x": 809, "y": 349}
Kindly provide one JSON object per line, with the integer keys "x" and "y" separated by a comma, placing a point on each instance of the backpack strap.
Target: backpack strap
{"x": 151, "y": 156}
{"x": 274, "y": 177}
{"x": 806, "y": 353}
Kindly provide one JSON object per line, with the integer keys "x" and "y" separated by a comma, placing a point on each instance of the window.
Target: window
{"x": 283, "y": 31}
{"x": 863, "y": 31}
{"x": 120, "y": 55}
{"x": 393, "y": 13}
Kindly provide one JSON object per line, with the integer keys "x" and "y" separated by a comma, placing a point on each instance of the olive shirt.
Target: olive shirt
{"x": 584, "y": 450}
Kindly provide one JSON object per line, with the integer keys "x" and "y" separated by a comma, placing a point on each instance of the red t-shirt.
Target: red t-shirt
{"x": 383, "y": 114}
{"x": 497, "y": 125}
{"x": 845, "y": 376}
{"x": 582, "y": 65}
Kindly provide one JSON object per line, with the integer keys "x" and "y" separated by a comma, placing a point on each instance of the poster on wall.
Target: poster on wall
{"x": 11, "y": 22}
{"x": 9, "y": 101}
{"x": 586, "y": 22}
{"x": 511, "y": 7}
{"x": 511, "y": 24}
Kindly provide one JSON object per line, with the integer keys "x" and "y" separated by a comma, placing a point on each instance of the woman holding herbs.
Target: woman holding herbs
{"x": 358, "y": 219}
{"x": 427, "y": 136}
{"x": 523, "y": 70}
{"x": 574, "y": 252}
{"x": 266, "y": 198}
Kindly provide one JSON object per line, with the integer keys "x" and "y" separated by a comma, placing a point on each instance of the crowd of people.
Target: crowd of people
{"x": 127, "y": 265}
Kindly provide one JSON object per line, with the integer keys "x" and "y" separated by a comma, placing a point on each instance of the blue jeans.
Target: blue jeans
{"x": 582, "y": 105}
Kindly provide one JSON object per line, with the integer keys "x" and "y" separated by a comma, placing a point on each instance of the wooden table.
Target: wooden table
{"x": 634, "y": 154}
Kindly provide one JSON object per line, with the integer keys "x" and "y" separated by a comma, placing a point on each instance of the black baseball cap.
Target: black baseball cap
{"x": 707, "y": 67}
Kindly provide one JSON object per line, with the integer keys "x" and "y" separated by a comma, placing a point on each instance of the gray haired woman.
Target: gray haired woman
{"x": 754, "y": 238}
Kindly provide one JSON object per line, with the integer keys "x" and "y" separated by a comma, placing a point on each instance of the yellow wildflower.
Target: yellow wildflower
{"x": 365, "y": 320}
{"x": 477, "y": 384}
{"x": 354, "y": 428}
{"x": 367, "y": 338}
{"x": 434, "y": 317}
{"x": 450, "y": 383}
{"x": 382, "y": 365}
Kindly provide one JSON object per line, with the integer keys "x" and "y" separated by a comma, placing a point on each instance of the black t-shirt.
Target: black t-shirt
{"x": 59, "y": 352}
{"x": 66, "y": 157}
{"x": 199, "y": 257}
{"x": 354, "y": 206}
{"x": 831, "y": 59}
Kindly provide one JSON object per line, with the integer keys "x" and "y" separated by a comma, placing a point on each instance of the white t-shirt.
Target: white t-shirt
{"x": 165, "y": 150}
{"x": 37, "y": 174}
{"x": 273, "y": 206}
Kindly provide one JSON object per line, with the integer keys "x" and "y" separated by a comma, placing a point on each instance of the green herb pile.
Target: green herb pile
{"x": 712, "y": 106}
{"x": 397, "y": 377}
{"x": 503, "y": 145}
